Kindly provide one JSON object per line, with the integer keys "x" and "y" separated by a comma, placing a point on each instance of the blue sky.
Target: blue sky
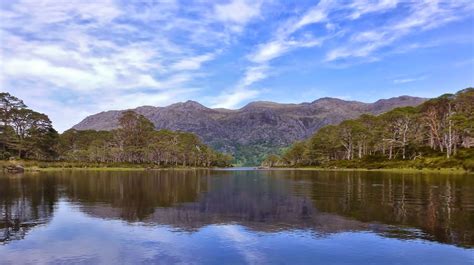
{"x": 70, "y": 59}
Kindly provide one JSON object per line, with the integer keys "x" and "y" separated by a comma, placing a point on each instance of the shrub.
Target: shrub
{"x": 469, "y": 165}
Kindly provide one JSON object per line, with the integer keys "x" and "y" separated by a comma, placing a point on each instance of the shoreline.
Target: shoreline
{"x": 49, "y": 169}
{"x": 38, "y": 166}
{"x": 401, "y": 170}
{"x": 123, "y": 169}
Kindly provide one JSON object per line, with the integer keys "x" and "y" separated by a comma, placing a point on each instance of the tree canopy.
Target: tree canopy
{"x": 440, "y": 126}
{"x": 27, "y": 134}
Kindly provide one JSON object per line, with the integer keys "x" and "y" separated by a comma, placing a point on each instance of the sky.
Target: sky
{"x": 73, "y": 58}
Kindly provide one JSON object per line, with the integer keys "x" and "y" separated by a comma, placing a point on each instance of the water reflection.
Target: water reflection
{"x": 25, "y": 203}
{"x": 438, "y": 208}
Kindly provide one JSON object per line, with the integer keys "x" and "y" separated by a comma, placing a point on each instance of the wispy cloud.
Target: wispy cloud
{"x": 233, "y": 99}
{"x": 336, "y": 19}
{"x": 105, "y": 50}
{"x": 423, "y": 15}
{"x": 88, "y": 56}
{"x": 238, "y": 12}
{"x": 408, "y": 79}
{"x": 254, "y": 74}
{"x": 192, "y": 63}
{"x": 280, "y": 43}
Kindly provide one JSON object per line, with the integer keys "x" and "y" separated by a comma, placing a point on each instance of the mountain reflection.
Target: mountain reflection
{"x": 432, "y": 207}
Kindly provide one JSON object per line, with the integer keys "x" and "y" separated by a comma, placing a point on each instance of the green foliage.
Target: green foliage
{"x": 254, "y": 154}
{"x": 136, "y": 142}
{"x": 469, "y": 165}
{"x": 26, "y": 134}
{"x": 437, "y": 134}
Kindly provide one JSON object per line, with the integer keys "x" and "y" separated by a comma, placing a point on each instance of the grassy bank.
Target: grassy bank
{"x": 438, "y": 163}
{"x": 30, "y": 165}
{"x": 395, "y": 170}
{"x": 428, "y": 165}
{"x": 425, "y": 166}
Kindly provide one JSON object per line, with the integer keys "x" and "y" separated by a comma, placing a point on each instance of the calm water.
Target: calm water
{"x": 236, "y": 217}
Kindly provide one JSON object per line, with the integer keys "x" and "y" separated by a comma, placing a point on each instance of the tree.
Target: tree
{"x": 133, "y": 135}
{"x": 8, "y": 104}
{"x": 464, "y": 117}
{"x": 399, "y": 124}
{"x": 439, "y": 126}
{"x": 295, "y": 154}
{"x": 30, "y": 135}
{"x": 324, "y": 145}
{"x": 271, "y": 160}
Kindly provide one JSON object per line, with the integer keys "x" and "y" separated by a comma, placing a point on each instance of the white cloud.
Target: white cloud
{"x": 82, "y": 56}
{"x": 51, "y": 12}
{"x": 280, "y": 44}
{"x": 362, "y": 7}
{"x": 403, "y": 81}
{"x": 269, "y": 51}
{"x": 192, "y": 63}
{"x": 233, "y": 99}
{"x": 237, "y": 11}
{"x": 408, "y": 79}
{"x": 254, "y": 74}
{"x": 124, "y": 68}
{"x": 317, "y": 14}
{"x": 423, "y": 15}
{"x": 95, "y": 53}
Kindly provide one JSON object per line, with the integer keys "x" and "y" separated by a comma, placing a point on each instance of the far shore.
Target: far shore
{"x": 402, "y": 170}
{"x": 34, "y": 168}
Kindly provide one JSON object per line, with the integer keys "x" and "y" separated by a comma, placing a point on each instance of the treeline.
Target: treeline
{"x": 137, "y": 141}
{"x": 26, "y": 134}
{"x": 439, "y": 127}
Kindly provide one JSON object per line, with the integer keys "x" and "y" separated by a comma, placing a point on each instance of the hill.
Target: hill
{"x": 256, "y": 129}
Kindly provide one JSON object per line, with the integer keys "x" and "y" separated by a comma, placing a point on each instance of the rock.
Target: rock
{"x": 15, "y": 169}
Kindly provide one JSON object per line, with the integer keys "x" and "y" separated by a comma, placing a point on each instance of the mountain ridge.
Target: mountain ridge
{"x": 255, "y": 129}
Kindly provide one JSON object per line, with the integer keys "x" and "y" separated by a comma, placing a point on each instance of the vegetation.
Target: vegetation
{"x": 29, "y": 135}
{"x": 253, "y": 154}
{"x": 25, "y": 133}
{"x": 436, "y": 134}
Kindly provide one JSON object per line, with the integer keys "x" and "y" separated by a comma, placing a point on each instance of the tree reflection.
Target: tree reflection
{"x": 433, "y": 207}
{"x": 25, "y": 203}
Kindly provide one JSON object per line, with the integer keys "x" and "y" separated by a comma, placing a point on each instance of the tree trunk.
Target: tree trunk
{"x": 450, "y": 134}
{"x": 390, "y": 152}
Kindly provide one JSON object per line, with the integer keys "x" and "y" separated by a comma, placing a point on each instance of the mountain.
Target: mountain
{"x": 255, "y": 130}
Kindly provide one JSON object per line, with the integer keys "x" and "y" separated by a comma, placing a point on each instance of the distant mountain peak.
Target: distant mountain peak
{"x": 264, "y": 104}
{"x": 190, "y": 104}
{"x": 327, "y": 99}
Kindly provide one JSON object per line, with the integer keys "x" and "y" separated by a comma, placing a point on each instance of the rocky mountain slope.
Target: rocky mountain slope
{"x": 254, "y": 130}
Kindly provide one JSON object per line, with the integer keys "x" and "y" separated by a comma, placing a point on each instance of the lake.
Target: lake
{"x": 236, "y": 217}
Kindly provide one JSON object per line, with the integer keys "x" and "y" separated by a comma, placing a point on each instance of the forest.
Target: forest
{"x": 28, "y": 135}
{"x": 435, "y": 134}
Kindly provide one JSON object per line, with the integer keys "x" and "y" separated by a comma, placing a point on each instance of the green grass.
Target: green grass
{"x": 463, "y": 162}
{"x": 401, "y": 170}
{"x": 30, "y": 165}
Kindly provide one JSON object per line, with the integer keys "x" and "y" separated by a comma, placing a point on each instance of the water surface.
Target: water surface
{"x": 236, "y": 217}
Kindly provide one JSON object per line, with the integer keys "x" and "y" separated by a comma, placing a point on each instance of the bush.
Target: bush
{"x": 464, "y": 154}
{"x": 374, "y": 158}
{"x": 469, "y": 165}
